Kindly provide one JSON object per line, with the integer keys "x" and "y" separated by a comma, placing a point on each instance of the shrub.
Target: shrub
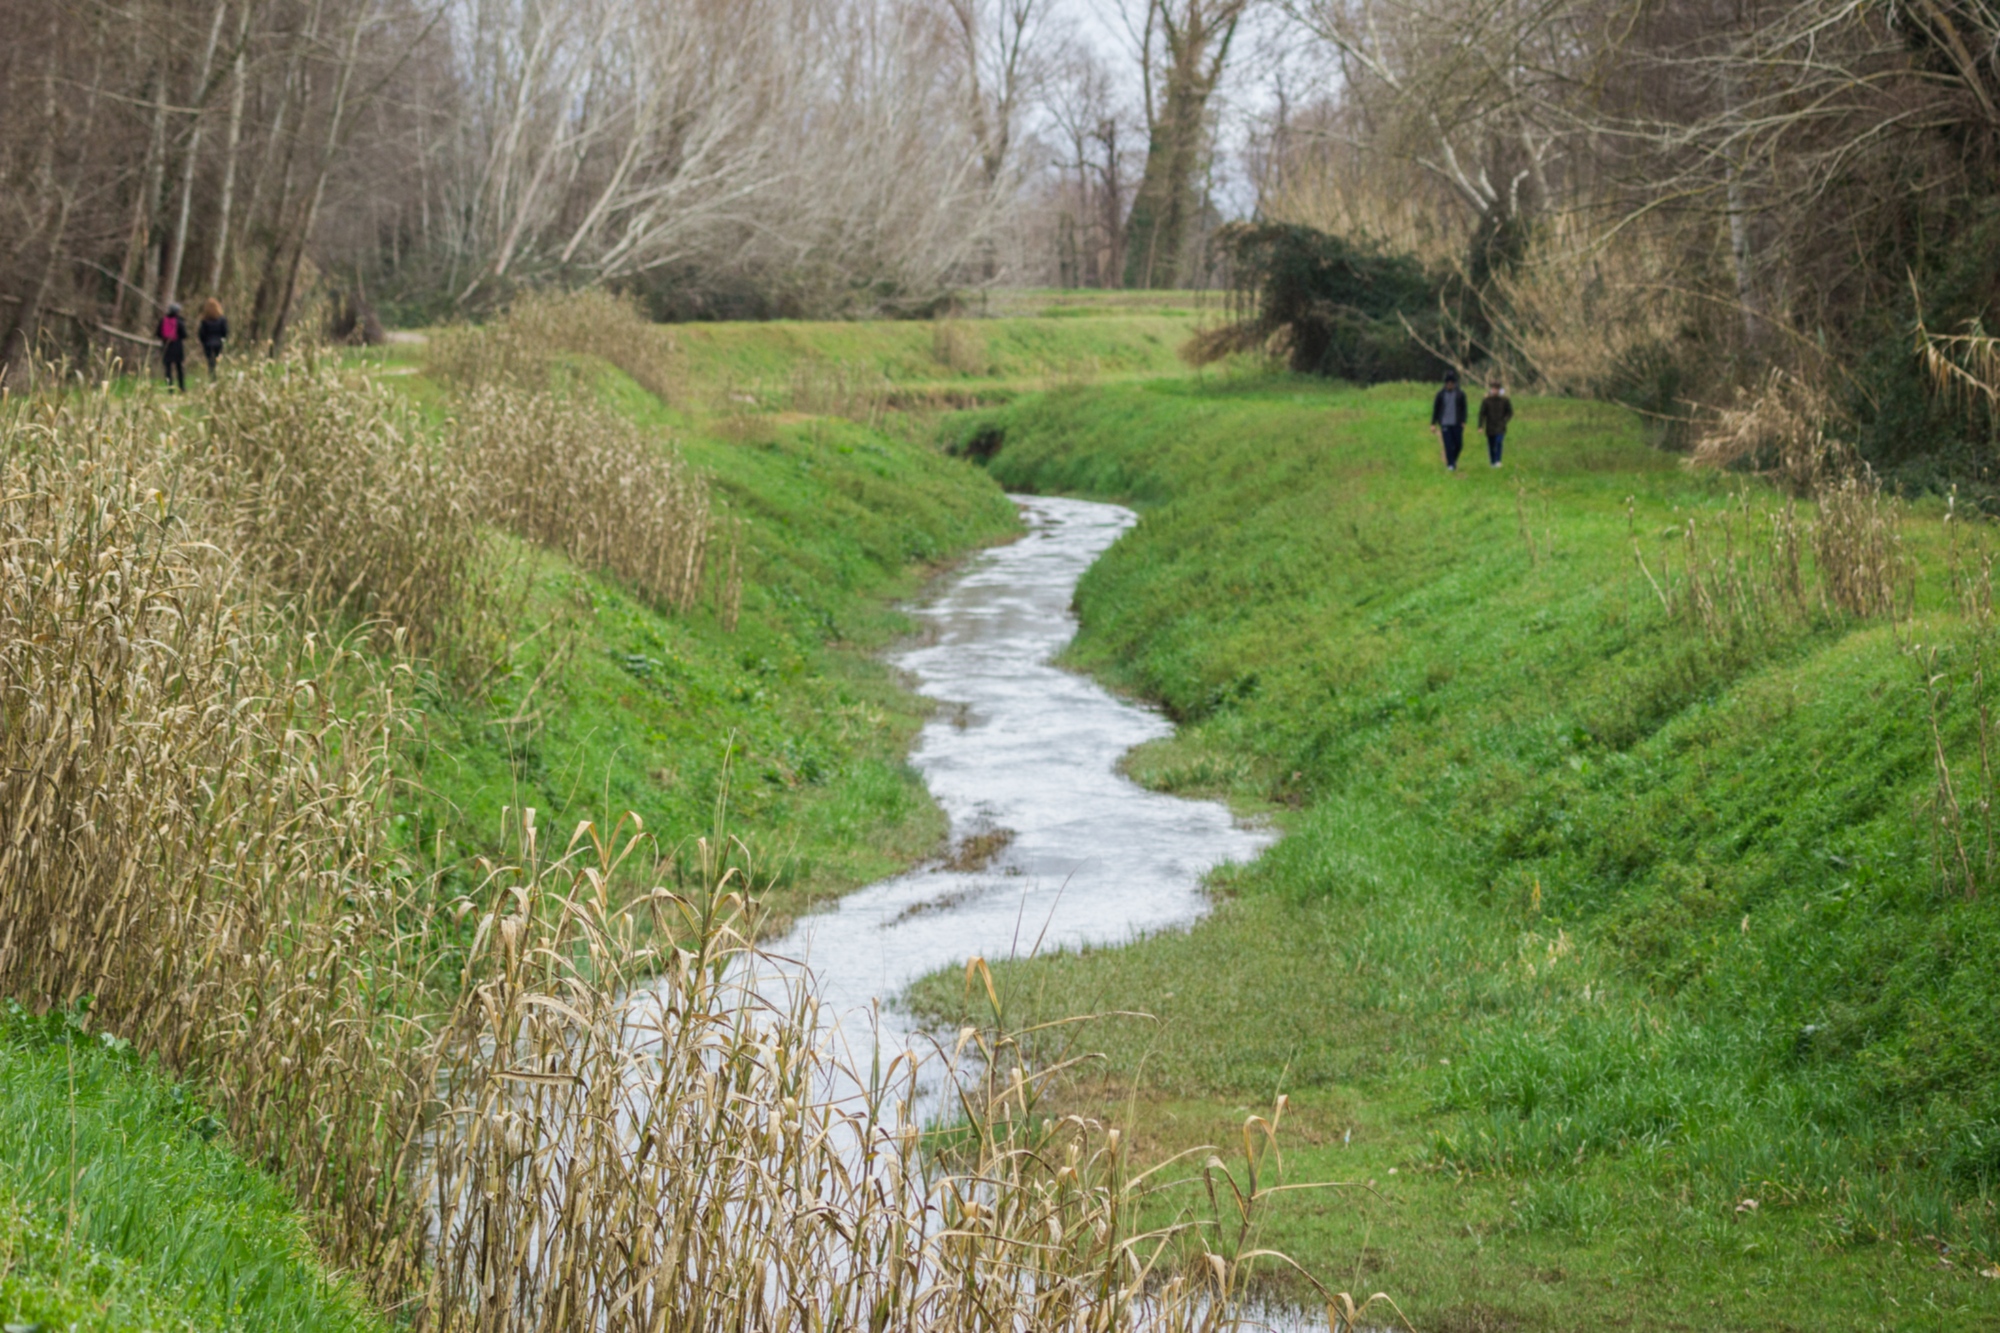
{"x": 1337, "y": 308}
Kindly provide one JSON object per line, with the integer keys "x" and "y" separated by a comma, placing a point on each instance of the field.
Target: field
{"x": 1622, "y": 964}
{"x": 1625, "y": 964}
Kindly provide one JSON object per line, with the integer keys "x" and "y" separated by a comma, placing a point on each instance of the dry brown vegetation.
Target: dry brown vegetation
{"x": 557, "y": 468}
{"x": 585, "y": 482}
{"x": 334, "y": 491}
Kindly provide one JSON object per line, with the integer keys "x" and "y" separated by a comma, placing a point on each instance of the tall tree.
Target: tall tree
{"x": 1183, "y": 46}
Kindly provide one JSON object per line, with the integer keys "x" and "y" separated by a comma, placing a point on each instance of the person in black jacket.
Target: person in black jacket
{"x": 1448, "y": 419}
{"x": 172, "y": 333}
{"x": 1496, "y": 409}
{"x": 213, "y": 332}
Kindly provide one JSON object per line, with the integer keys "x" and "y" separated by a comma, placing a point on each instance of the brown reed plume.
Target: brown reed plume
{"x": 579, "y": 479}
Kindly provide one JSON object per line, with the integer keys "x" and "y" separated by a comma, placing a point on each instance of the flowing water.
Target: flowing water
{"x": 1025, "y": 754}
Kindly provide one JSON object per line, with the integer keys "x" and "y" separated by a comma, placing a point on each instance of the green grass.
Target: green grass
{"x": 1589, "y": 929}
{"x": 612, "y": 706}
{"x": 979, "y": 357}
{"x": 122, "y": 1209}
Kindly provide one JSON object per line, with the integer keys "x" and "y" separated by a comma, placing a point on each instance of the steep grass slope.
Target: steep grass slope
{"x": 1621, "y": 945}
{"x": 119, "y": 1211}
{"x": 764, "y": 700}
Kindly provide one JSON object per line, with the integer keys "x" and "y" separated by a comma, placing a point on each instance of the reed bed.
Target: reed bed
{"x": 550, "y": 1101}
{"x": 194, "y": 836}
{"x": 526, "y": 347}
{"x": 332, "y": 490}
{"x": 1741, "y": 573}
{"x": 578, "y": 479}
{"x": 558, "y": 469}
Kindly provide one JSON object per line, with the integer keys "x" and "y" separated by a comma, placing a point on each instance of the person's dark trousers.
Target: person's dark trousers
{"x": 1493, "y": 443}
{"x": 211, "y": 351}
{"x": 1454, "y": 444}
{"x": 176, "y": 365}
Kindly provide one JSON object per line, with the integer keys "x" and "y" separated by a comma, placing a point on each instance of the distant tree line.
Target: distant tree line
{"x": 430, "y": 156}
{"x": 1667, "y": 201}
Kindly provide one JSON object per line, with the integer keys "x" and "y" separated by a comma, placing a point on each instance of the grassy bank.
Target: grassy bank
{"x": 119, "y": 1210}
{"x": 1615, "y": 958}
{"x": 610, "y": 704}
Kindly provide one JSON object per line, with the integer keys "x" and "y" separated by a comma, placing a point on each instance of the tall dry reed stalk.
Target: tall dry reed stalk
{"x": 195, "y": 830}
{"x": 334, "y": 491}
{"x": 581, "y": 480}
{"x": 526, "y": 347}
{"x": 558, "y": 469}
{"x": 550, "y": 1103}
{"x": 1733, "y": 572}
{"x": 1740, "y": 574}
{"x": 1779, "y": 429}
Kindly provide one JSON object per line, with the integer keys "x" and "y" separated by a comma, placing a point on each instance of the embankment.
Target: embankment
{"x": 1629, "y": 953}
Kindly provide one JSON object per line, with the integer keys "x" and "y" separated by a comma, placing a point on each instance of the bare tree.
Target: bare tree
{"x": 1183, "y": 46}
{"x": 1483, "y": 96}
{"x": 1091, "y": 197}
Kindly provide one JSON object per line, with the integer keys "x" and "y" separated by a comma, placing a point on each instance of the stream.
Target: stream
{"x": 1022, "y": 756}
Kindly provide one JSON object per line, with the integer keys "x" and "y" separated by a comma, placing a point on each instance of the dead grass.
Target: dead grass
{"x": 579, "y": 479}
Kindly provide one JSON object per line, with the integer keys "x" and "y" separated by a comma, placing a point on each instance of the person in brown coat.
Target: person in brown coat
{"x": 213, "y": 330}
{"x": 1496, "y": 409}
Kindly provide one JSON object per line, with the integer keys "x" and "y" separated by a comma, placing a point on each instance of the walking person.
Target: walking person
{"x": 1448, "y": 419}
{"x": 213, "y": 332}
{"x": 172, "y": 333}
{"x": 1496, "y": 409}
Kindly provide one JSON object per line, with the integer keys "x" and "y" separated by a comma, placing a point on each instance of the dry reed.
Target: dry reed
{"x": 1779, "y": 429}
{"x": 1733, "y": 572}
{"x": 527, "y": 346}
{"x": 548, "y": 1103}
{"x": 334, "y": 491}
{"x": 584, "y": 481}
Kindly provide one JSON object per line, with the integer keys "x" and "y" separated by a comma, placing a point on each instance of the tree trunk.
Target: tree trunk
{"x": 171, "y": 287}
{"x": 139, "y": 234}
{"x": 1196, "y": 41}
{"x": 219, "y": 249}
{"x": 327, "y": 153}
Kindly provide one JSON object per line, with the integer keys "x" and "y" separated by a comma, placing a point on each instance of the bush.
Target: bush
{"x": 1335, "y": 308}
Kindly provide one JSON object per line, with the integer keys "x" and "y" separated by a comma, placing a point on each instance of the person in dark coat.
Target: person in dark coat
{"x": 1496, "y": 409}
{"x": 172, "y": 333}
{"x": 213, "y": 332}
{"x": 1448, "y": 419}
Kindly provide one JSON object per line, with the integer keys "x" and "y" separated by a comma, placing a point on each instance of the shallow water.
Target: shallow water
{"x": 1020, "y": 745}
